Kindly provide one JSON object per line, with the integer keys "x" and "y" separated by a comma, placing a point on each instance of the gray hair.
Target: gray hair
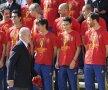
{"x": 36, "y": 6}
{"x": 23, "y": 31}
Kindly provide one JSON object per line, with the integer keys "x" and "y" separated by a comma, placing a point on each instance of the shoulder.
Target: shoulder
{"x": 14, "y": 3}
{"x": 85, "y": 21}
{"x": 11, "y": 28}
{"x": 74, "y": 32}
{"x": 23, "y": 8}
{"x": 18, "y": 47}
{"x": 51, "y": 34}
{"x": 58, "y": 19}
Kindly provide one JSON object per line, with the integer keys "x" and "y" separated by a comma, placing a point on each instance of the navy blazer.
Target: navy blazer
{"x": 19, "y": 68}
{"x": 14, "y": 6}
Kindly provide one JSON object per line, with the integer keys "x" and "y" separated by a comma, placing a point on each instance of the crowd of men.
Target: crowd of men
{"x": 68, "y": 37}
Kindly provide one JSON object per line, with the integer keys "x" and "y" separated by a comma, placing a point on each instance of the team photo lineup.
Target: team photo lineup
{"x": 53, "y": 44}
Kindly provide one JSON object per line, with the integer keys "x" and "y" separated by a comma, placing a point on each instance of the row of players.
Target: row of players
{"x": 35, "y": 10}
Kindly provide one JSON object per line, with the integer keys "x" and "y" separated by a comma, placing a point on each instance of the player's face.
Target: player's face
{"x": 28, "y": 36}
{"x": 15, "y": 18}
{"x": 66, "y": 25}
{"x": 6, "y": 14}
{"x": 32, "y": 12}
{"x": 90, "y": 22}
{"x": 61, "y": 11}
{"x": 85, "y": 12}
{"x": 40, "y": 27}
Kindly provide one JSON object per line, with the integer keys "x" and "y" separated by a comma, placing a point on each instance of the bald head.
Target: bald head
{"x": 86, "y": 10}
{"x": 88, "y": 7}
{"x": 36, "y": 7}
{"x": 25, "y": 34}
{"x": 64, "y": 6}
{"x": 35, "y": 10}
{"x": 63, "y": 9}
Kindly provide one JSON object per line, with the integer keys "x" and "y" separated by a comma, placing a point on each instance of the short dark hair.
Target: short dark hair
{"x": 68, "y": 19}
{"x": 94, "y": 16}
{"x": 43, "y": 21}
{"x": 4, "y": 8}
{"x": 17, "y": 12}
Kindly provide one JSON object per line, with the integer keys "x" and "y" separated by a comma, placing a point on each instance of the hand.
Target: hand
{"x": 57, "y": 65}
{"x": 72, "y": 65}
{"x": 10, "y": 83}
{"x": 102, "y": 12}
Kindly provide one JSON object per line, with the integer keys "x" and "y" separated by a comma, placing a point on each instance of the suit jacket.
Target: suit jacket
{"x": 100, "y": 4}
{"x": 19, "y": 68}
{"x": 14, "y": 6}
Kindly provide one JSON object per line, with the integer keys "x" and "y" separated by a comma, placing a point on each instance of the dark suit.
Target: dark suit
{"x": 19, "y": 68}
{"x": 101, "y": 5}
{"x": 14, "y": 6}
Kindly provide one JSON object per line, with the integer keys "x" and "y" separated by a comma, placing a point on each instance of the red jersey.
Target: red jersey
{"x": 4, "y": 26}
{"x": 50, "y": 10}
{"x": 57, "y": 28}
{"x": 14, "y": 32}
{"x": 75, "y": 6}
{"x": 27, "y": 19}
{"x": 84, "y": 26}
{"x": 68, "y": 42}
{"x": 44, "y": 48}
{"x": 2, "y": 41}
{"x": 95, "y": 41}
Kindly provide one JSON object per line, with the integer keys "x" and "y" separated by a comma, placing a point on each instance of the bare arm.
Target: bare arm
{"x": 2, "y": 57}
{"x": 57, "y": 63}
{"x": 75, "y": 57}
{"x": 8, "y": 49}
{"x": 55, "y": 52}
{"x": 106, "y": 50}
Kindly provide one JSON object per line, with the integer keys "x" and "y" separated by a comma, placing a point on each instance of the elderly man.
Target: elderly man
{"x": 19, "y": 67}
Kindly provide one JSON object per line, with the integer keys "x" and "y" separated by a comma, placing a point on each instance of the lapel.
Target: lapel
{"x": 25, "y": 48}
{"x": 22, "y": 44}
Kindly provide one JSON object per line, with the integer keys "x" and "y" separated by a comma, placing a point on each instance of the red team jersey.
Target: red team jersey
{"x": 14, "y": 32}
{"x": 95, "y": 41}
{"x": 57, "y": 28}
{"x": 4, "y": 26}
{"x": 75, "y": 6}
{"x": 68, "y": 42}
{"x": 2, "y": 41}
{"x": 50, "y": 9}
{"x": 84, "y": 26}
{"x": 44, "y": 48}
{"x": 27, "y": 19}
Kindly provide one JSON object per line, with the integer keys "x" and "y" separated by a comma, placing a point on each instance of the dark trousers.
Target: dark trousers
{"x": 67, "y": 75}
{"x": 45, "y": 72}
{"x": 90, "y": 72}
{"x": 1, "y": 77}
{"x": 16, "y": 88}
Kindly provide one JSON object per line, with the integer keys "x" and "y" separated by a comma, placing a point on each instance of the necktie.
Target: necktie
{"x": 9, "y": 5}
{"x": 28, "y": 48}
